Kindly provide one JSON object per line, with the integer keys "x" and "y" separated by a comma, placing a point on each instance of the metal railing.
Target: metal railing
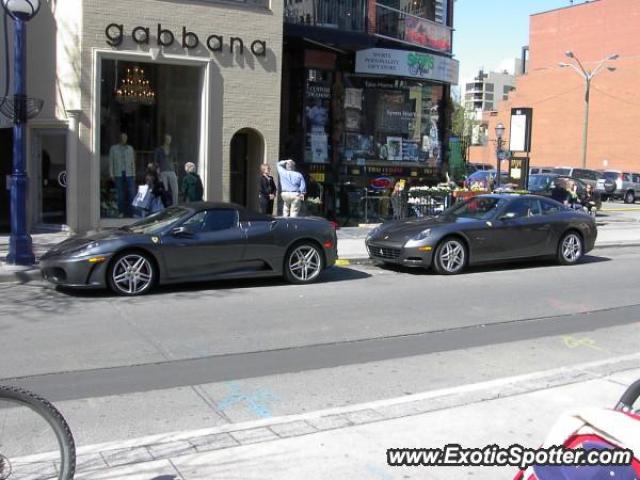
{"x": 349, "y": 15}
{"x": 412, "y": 29}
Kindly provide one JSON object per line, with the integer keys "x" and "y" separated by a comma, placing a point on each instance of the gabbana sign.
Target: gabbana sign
{"x": 406, "y": 63}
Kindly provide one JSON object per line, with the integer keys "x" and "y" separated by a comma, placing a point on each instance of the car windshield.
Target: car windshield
{"x": 538, "y": 182}
{"x": 562, "y": 171}
{"x": 157, "y": 221}
{"x": 479, "y": 208}
{"x": 611, "y": 175}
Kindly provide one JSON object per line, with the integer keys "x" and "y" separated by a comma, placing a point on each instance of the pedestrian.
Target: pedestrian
{"x": 572, "y": 190}
{"x": 192, "y": 189}
{"x": 559, "y": 192}
{"x": 397, "y": 204}
{"x": 267, "y": 190}
{"x": 157, "y": 200}
{"x": 588, "y": 200}
{"x": 293, "y": 188}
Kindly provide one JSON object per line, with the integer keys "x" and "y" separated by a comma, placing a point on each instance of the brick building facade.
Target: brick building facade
{"x": 592, "y": 31}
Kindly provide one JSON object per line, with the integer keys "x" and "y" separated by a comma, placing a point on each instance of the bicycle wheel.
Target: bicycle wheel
{"x": 35, "y": 440}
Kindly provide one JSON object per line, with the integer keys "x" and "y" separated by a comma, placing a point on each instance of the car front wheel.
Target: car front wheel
{"x": 450, "y": 257}
{"x": 303, "y": 263}
{"x": 132, "y": 273}
{"x": 570, "y": 249}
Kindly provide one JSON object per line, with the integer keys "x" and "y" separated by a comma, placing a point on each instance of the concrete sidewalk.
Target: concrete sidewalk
{"x": 351, "y": 442}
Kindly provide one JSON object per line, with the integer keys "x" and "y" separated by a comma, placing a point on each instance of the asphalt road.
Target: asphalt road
{"x": 198, "y": 355}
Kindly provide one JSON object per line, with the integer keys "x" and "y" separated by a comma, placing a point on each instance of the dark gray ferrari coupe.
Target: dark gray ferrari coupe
{"x": 194, "y": 242}
{"x": 485, "y": 229}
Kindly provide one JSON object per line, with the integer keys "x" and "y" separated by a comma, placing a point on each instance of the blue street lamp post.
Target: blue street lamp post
{"x": 20, "y": 245}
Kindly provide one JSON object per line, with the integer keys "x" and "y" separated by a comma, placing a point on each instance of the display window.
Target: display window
{"x": 150, "y": 118}
{"x": 391, "y": 123}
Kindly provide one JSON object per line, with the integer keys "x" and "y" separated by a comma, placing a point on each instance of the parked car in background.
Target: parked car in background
{"x": 475, "y": 167}
{"x": 543, "y": 183}
{"x": 586, "y": 175}
{"x": 483, "y": 179}
{"x": 615, "y": 184}
{"x": 537, "y": 170}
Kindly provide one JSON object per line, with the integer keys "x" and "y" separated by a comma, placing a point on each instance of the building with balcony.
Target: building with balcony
{"x": 120, "y": 79}
{"x": 365, "y": 103}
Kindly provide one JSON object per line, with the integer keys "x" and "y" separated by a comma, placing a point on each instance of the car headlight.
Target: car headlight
{"x": 374, "y": 232}
{"x": 83, "y": 251}
{"x": 423, "y": 235}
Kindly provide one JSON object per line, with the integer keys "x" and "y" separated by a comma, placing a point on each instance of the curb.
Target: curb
{"x": 176, "y": 444}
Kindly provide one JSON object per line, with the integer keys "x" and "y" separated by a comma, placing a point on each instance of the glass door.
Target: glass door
{"x": 50, "y": 172}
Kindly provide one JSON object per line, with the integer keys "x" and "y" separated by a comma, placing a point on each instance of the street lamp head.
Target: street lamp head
{"x": 23, "y": 10}
{"x": 500, "y": 131}
{"x": 615, "y": 56}
{"x": 611, "y": 69}
{"x": 563, "y": 65}
{"x": 569, "y": 54}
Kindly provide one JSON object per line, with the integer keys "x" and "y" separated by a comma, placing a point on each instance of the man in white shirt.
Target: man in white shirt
{"x": 293, "y": 187}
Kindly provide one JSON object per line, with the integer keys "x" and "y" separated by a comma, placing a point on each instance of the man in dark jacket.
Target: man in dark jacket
{"x": 192, "y": 189}
{"x": 559, "y": 192}
{"x": 267, "y": 191}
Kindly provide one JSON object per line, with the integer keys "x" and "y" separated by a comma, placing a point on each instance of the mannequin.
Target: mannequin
{"x": 122, "y": 170}
{"x": 165, "y": 158}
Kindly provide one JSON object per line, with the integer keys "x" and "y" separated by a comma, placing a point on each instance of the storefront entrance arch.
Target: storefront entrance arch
{"x": 246, "y": 155}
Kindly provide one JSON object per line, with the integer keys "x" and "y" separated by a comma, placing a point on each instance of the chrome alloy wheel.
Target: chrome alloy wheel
{"x": 132, "y": 274}
{"x": 305, "y": 263}
{"x": 571, "y": 248}
{"x": 452, "y": 256}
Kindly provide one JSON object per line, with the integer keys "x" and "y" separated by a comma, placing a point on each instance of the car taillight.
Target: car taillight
{"x": 328, "y": 244}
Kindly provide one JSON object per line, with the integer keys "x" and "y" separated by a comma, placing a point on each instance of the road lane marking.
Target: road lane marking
{"x": 573, "y": 342}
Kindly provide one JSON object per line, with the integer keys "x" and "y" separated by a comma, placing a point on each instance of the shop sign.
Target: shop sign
{"x": 427, "y": 33}
{"x": 115, "y": 35}
{"x": 404, "y": 63}
{"x": 381, "y": 183}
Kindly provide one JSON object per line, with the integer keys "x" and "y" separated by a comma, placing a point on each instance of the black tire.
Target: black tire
{"x": 117, "y": 268}
{"x": 446, "y": 248}
{"x": 303, "y": 263}
{"x": 570, "y": 248}
{"x": 630, "y": 197}
{"x": 48, "y": 412}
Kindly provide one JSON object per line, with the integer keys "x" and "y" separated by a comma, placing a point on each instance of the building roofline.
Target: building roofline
{"x": 587, "y": 2}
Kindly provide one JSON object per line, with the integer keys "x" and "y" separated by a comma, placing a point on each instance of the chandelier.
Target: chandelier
{"x": 135, "y": 89}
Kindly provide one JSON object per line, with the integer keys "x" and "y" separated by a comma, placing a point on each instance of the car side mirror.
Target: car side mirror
{"x": 182, "y": 232}
{"x": 508, "y": 216}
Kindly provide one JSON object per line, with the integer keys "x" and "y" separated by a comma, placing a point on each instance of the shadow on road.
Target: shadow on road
{"x": 332, "y": 275}
{"x": 499, "y": 267}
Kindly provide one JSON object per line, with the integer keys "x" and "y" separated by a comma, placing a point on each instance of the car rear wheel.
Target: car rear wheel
{"x": 450, "y": 257}
{"x": 570, "y": 249}
{"x": 303, "y": 263}
{"x": 630, "y": 197}
{"x": 132, "y": 273}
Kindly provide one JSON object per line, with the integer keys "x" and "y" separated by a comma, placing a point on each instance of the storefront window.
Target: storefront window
{"x": 149, "y": 114}
{"x": 391, "y": 123}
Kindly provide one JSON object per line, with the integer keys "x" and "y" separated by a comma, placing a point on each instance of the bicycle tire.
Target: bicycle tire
{"x": 54, "y": 418}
